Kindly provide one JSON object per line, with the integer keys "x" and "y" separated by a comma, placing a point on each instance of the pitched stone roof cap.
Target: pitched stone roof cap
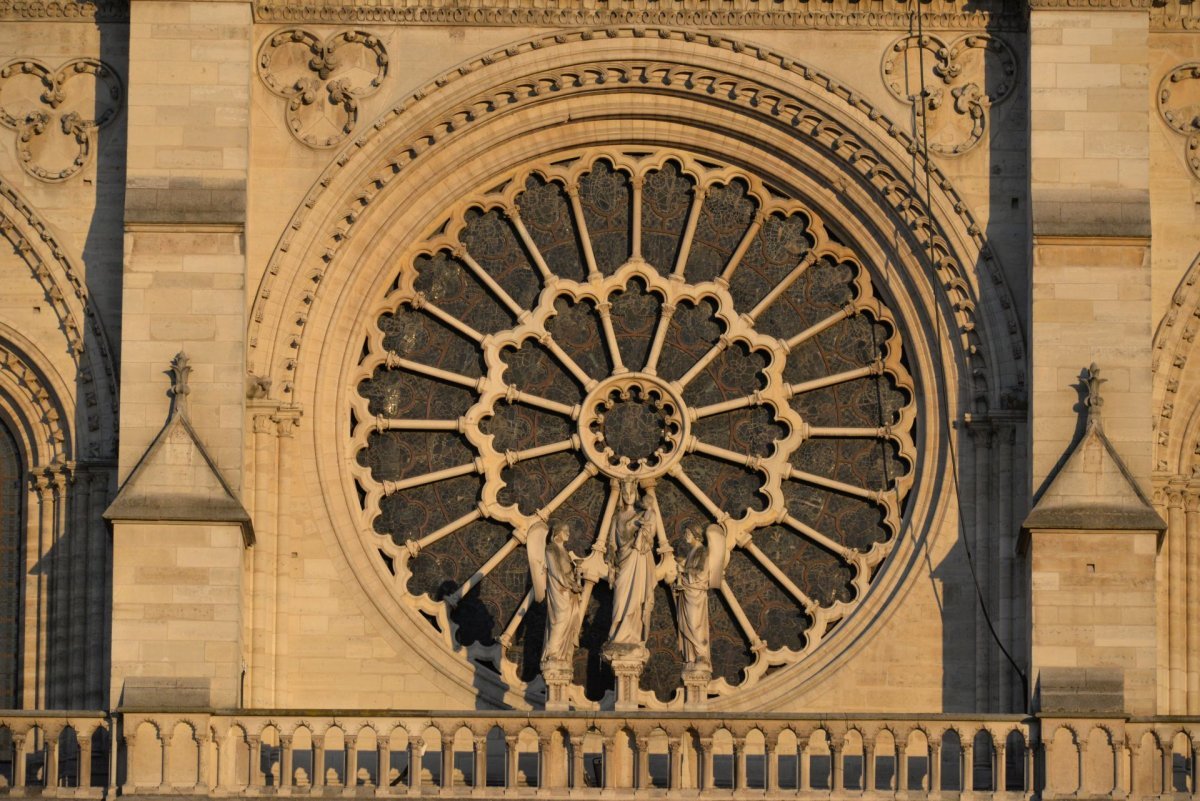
{"x": 1094, "y": 490}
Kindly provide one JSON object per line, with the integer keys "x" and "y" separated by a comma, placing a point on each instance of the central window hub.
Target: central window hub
{"x": 633, "y": 425}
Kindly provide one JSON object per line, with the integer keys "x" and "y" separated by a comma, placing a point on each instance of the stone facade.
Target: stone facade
{"x": 313, "y": 311}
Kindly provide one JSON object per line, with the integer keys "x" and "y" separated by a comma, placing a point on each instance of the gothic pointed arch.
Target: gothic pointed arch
{"x": 632, "y": 108}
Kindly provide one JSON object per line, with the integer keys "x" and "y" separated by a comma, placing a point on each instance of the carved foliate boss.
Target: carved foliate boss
{"x": 961, "y": 81}
{"x": 322, "y": 80}
{"x": 1179, "y": 105}
{"x": 56, "y": 112}
{"x": 630, "y": 315}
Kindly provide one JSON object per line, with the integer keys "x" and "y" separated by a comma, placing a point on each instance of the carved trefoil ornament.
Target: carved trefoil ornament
{"x": 951, "y": 86}
{"x": 1179, "y": 105}
{"x": 56, "y": 113}
{"x": 322, "y": 80}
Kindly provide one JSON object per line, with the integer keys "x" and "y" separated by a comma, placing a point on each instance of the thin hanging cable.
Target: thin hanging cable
{"x": 942, "y": 389}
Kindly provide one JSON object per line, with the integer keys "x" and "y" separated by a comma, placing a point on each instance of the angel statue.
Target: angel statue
{"x": 700, "y": 570}
{"x": 631, "y": 571}
{"x": 556, "y": 581}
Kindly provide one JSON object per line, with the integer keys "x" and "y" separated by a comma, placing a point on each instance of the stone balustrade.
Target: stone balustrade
{"x": 460, "y": 754}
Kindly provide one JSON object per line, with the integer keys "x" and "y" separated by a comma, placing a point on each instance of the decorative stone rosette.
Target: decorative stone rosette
{"x": 951, "y": 86}
{"x": 57, "y": 112}
{"x": 630, "y": 314}
{"x": 322, "y": 80}
{"x": 1179, "y": 105}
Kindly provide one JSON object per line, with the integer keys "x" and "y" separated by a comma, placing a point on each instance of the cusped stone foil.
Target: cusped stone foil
{"x": 644, "y": 315}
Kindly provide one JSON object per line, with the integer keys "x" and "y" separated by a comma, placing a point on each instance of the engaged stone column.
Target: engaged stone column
{"x": 869, "y": 765}
{"x": 642, "y": 759}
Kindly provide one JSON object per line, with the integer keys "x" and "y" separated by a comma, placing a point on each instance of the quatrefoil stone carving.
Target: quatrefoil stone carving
{"x": 952, "y": 87}
{"x": 1179, "y": 105}
{"x": 56, "y": 112}
{"x": 322, "y": 80}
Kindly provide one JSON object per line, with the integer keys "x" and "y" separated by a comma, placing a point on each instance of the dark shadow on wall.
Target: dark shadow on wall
{"x": 979, "y": 583}
{"x": 103, "y": 258}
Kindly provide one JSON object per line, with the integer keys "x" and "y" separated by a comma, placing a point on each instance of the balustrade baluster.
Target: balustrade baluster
{"x": 351, "y": 762}
{"x": 285, "y": 760}
{"x": 803, "y": 767}
{"x": 512, "y": 761}
{"x": 1027, "y": 781}
{"x": 383, "y": 761}
{"x": 50, "y": 771}
{"x": 868, "y": 765}
{"x": 203, "y": 763}
{"x": 968, "y": 769}
{"x": 545, "y": 744}
{"x": 84, "y": 772}
{"x": 1000, "y": 771}
{"x": 935, "y": 766}
{"x": 479, "y": 771}
{"x": 165, "y": 781}
{"x": 836, "y": 773}
{"x": 415, "y": 746}
{"x": 318, "y": 777}
{"x": 740, "y": 780}
{"x": 447, "y": 759}
{"x": 576, "y": 777}
{"x": 642, "y": 759}
{"x": 1167, "y": 756}
{"x": 675, "y": 768}
{"x": 771, "y": 764}
{"x": 902, "y": 764}
{"x": 706, "y": 763}
{"x": 256, "y": 778}
{"x": 19, "y": 743}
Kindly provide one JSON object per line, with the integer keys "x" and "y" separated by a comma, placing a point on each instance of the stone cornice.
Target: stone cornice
{"x": 65, "y": 10}
{"x": 1174, "y": 15}
{"x": 793, "y": 14}
{"x": 1091, "y": 5}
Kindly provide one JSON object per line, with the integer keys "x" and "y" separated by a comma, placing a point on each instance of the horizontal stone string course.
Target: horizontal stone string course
{"x": 274, "y": 753}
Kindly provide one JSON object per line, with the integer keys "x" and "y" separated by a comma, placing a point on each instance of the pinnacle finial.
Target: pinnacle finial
{"x": 180, "y": 369}
{"x": 1093, "y": 401}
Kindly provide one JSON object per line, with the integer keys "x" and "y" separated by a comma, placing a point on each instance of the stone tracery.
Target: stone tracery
{"x": 755, "y": 375}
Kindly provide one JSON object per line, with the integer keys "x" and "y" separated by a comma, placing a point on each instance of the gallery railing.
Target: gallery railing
{"x": 456, "y": 754}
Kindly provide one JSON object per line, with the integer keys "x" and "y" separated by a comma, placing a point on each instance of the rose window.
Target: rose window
{"x": 646, "y": 316}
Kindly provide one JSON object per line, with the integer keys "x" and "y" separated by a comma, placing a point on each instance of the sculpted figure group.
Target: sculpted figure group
{"x": 564, "y": 582}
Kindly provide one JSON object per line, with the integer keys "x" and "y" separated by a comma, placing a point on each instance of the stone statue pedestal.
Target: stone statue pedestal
{"x": 558, "y": 674}
{"x": 695, "y": 686}
{"x": 627, "y": 662}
